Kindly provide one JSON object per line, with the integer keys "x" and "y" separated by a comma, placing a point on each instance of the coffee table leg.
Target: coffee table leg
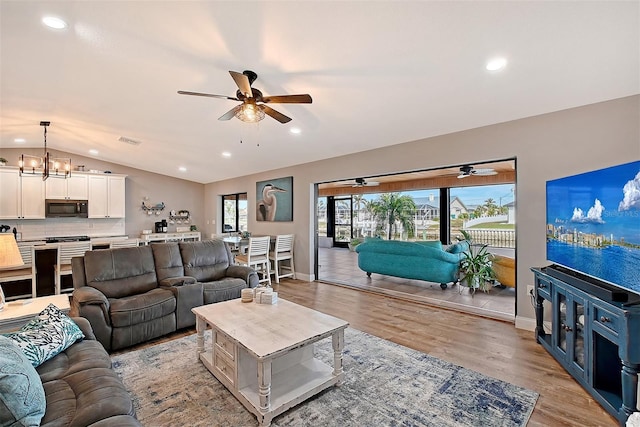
{"x": 264, "y": 384}
{"x": 200, "y": 327}
{"x": 337, "y": 340}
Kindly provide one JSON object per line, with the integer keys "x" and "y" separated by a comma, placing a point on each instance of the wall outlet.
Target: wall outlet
{"x": 530, "y": 289}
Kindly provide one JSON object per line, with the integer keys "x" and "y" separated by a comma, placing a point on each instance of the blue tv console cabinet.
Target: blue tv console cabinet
{"x": 597, "y": 340}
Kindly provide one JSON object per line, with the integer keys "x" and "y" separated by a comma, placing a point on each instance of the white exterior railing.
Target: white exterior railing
{"x": 493, "y": 237}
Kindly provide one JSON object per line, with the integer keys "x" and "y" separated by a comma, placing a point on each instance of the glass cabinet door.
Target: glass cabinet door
{"x": 562, "y": 322}
{"x": 578, "y": 327}
{"x": 570, "y": 329}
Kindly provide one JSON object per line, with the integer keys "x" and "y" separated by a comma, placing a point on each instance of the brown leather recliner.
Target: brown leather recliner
{"x": 118, "y": 292}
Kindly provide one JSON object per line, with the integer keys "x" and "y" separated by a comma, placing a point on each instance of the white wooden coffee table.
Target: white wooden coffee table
{"x": 264, "y": 353}
{"x": 17, "y": 313}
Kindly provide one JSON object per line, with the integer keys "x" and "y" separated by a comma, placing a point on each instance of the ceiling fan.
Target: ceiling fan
{"x": 253, "y": 108}
{"x": 468, "y": 170}
{"x": 361, "y": 182}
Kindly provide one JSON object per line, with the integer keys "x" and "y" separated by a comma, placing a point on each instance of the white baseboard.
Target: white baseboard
{"x": 525, "y": 323}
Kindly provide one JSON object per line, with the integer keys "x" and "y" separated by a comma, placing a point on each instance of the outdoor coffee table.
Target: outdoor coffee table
{"x": 264, "y": 353}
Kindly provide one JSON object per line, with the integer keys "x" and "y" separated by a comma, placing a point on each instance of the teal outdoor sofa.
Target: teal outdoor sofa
{"x": 421, "y": 260}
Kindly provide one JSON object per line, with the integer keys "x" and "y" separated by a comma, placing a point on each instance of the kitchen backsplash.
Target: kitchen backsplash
{"x": 57, "y": 227}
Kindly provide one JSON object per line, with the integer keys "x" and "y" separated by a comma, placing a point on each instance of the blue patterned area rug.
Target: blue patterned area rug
{"x": 385, "y": 385}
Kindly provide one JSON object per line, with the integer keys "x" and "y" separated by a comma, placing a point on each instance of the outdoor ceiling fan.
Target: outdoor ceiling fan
{"x": 253, "y": 108}
{"x": 361, "y": 182}
{"x": 468, "y": 170}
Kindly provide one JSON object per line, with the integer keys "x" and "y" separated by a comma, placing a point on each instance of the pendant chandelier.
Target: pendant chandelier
{"x": 46, "y": 165}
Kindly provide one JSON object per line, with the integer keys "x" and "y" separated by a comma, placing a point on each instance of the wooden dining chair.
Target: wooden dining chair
{"x": 283, "y": 251}
{"x": 257, "y": 257}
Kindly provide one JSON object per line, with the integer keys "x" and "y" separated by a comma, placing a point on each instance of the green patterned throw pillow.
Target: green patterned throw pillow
{"x": 46, "y": 335}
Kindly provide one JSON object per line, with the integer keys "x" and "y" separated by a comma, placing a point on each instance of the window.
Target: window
{"x": 322, "y": 216}
{"x": 486, "y": 212}
{"x": 234, "y": 216}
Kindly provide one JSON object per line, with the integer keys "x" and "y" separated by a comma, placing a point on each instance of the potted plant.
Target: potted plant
{"x": 353, "y": 243}
{"x": 3, "y": 161}
{"x": 475, "y": 268}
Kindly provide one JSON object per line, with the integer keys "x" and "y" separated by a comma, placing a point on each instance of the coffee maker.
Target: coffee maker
{"x": 161, "y": 226}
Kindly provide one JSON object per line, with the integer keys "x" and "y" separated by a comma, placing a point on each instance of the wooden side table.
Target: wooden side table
{"x": 17, "y": 313}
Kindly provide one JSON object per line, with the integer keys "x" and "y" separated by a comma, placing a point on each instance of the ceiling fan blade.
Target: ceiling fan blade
{"x": 209, "y": 95}
{"x": 275, "y": 114}
{"x": 243, "y": 83}
{"x": 289, "y": 99}
{"x": 484, "y": 172}
{"x": 231, "y": 113}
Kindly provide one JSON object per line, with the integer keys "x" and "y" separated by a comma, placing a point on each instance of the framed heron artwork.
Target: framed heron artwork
{"x": 274, "y": 200}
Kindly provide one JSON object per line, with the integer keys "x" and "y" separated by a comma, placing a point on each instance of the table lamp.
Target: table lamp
{"x": 9, "y": 257}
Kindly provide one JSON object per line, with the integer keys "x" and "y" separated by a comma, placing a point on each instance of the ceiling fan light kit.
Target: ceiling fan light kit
{"x": 361, "y": 182}
{"x": 250, "y": 111}
{"x": 468, "y": 170}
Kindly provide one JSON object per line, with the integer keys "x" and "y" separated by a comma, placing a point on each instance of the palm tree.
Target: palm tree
{"x": 391, "y": 209}
{"x": 491, "y": 207}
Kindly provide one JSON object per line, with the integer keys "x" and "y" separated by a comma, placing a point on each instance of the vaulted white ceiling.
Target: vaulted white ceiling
{"x": 380, "y": 73}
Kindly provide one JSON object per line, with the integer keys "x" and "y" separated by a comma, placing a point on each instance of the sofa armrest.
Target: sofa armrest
{"x": 89, "y": 295}
{"x": 188, "y": 296}
{"x": 85, "y": 327}
{"x": 93, "y": 305}
{"x": 177, "y": 281}
{"x": 245, "y": 273}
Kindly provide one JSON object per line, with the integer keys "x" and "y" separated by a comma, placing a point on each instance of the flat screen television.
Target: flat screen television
{"x": 593, "y": 226}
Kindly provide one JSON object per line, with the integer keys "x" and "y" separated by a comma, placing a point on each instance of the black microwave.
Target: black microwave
{"x": 66, "y": 208}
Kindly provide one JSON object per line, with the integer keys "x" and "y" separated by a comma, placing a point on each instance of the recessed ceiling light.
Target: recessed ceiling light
{"x": 20, "y": 140}
{"x": 496, "y": 64}
{"x": 295, "y": 130}
{"x": 94, "y": 152}
{"x": 226, "y": 154}
{"x": 182, "y": 169}
{"x": 53, "y": 22}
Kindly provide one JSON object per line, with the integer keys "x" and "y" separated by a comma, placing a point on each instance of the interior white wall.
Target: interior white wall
{"x": 546, "y": 147}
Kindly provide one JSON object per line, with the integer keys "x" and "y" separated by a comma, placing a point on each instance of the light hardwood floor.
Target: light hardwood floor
{"x": 492, "y": 347}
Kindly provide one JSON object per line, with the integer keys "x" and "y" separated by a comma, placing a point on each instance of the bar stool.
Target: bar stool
{"x": 24, "y": 272}
{"x": 257, "y": 257}
{"x": 283, "y": 251}
{"x": 66, "y": 251}
{"x": 126, "y": 243}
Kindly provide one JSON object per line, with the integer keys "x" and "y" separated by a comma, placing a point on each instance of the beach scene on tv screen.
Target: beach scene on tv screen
{"x": 593, "y": 224}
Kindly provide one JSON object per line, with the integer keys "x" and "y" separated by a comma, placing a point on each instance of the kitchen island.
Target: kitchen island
{"x": 45, "y": 259}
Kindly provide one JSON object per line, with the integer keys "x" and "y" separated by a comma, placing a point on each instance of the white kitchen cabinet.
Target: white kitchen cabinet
{"x": 21, "y": 197}
{"x": 76, "y": 187}
{"x": 106, "y": 196}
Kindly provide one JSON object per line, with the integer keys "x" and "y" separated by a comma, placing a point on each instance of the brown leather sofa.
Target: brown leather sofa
{"x": 81, "y": 389}
{"x": 131, "y": 295}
